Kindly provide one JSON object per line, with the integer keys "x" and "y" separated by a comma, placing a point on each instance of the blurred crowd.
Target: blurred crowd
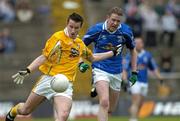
{"x": 10, "y": 10}
{"x": 7, "y": 43}
{"x": 153, "y": 17}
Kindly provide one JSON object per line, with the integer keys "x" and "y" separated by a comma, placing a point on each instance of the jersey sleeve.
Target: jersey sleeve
{"x": 128, "y": 35}
{"x": 86, "y": 52}
{"x": 152, "y": 64}
{"x": 50, "y": 45}
{"x": 91, "y": 35}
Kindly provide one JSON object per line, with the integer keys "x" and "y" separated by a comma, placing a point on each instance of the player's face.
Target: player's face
{"x": 139, "y": 44}
{"x": 73, "y": 28}
{"x": 113, "y": 22}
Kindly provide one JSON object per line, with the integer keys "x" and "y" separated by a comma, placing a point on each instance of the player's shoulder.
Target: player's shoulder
{"x": 147, "y": 53}
{"x": 125, "y": 28}
{"x": 58, "y": 34}
{"x": 96, "y": 28}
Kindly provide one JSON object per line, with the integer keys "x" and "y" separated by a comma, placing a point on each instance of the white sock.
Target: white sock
{"x": 133, "y": 119}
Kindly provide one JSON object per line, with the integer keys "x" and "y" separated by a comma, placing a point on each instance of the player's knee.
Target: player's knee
{"x": 63, "y": 115}
{"x": 104, "y": 103}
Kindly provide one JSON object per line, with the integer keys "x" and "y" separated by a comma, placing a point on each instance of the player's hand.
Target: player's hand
{"x": 19, "y": 77}
{"x": 133, "y": 78}
{"x": 124, "y": 85}
{"x": 117, "y": 50}
{"x": 83, "y": 67}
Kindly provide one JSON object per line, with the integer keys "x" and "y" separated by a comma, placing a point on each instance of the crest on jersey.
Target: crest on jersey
{"x": 120, "y": 38}
{"x": 103, "y": 37}
{"x": 74, "y": 52}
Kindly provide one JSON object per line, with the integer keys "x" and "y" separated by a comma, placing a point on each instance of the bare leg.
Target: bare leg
{"x": 102, "y": 88}
{"x": 25, "y": 108}
{"x": 135, "y": 106}
{"x": 62, "y": 107}
{"x": 113, "y": 98}
{"x": 31, "y": 103}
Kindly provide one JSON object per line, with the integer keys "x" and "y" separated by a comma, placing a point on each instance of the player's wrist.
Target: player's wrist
{"x": 28, "y": 70}
{"x": 134, "y": 73}
{"x": 81, "y": 63}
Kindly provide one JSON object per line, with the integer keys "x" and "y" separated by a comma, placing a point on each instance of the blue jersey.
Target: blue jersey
{"x": 145, "y": 61}
{"x": 105, "y": 41}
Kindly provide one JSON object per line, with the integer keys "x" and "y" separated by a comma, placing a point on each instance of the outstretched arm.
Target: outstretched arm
{"x": 101, "y": 56}
{"x": 36, "y": 63}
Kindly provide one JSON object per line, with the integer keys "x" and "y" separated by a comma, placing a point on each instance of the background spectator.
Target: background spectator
{"x": 2, "y": 46}
{"x": 150, "y": 23}
{"x": 24, "y": 11}
{"x": 134, "y": 19}
{"x": 7, "y": 13}
{"x": 166, "y": 61}
{"x": 159, "y": 7}
{"x": 169, "y": 27}
{"x": 8, "y": 41}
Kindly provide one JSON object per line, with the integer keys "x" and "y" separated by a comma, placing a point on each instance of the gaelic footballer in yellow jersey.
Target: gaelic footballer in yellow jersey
{"x": 63, "y": 54}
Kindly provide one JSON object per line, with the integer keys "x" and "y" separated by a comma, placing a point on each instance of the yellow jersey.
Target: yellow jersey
{"x": 63, "y": 55}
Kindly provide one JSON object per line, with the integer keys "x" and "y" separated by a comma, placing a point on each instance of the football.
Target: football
{"x": 59, "y": 83}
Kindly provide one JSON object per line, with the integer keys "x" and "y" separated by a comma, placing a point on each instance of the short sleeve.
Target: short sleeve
{"x": 86, "y": 53}
{"x": 128, "y": 36}
{"x": 49, "y": 45}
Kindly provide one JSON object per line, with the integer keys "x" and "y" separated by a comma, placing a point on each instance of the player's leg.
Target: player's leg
{"x": 25, "y": 108}
{"x": 134, "y": 109}
{"x": 139, "y": 90}
{"x": 62, "y": 107}
{"x": 63, "y": 104}
{"x": 114, "y": 90}
{"x": 39, "y": 93}
{"x": 102, "y": 88}
{"x": 113, "y": 98}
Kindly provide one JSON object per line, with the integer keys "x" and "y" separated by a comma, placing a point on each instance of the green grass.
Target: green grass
{"x": 120, "y": 119}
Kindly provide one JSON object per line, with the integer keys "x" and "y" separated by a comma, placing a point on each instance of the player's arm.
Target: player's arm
{"x": 157, "y": 73}
{"x": 20, "y": 76}
{"x": 130, "y": 43}
{"x": 133, "y": 60}
{"x": 154, "y": 68}
{"x": 37, "y": 62}
{"x": 101, "y": 56}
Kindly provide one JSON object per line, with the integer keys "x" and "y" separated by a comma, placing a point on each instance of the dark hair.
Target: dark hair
{"x": 75, "y": 17}
{"x": 115, "y": 10}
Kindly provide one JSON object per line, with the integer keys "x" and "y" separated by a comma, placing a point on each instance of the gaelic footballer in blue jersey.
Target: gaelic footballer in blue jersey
{"x": 145, "y": 62}
{"x": 107, "y": 73}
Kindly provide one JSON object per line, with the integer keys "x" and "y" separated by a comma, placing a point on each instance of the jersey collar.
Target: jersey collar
{"x": 67, "y": 34}
{"x": 105, "y": 27}
{"x": 141, "y": 53}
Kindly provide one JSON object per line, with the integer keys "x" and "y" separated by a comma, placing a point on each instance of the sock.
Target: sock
{"x": 14, "y": 111}
{"x": 133, "y": 119}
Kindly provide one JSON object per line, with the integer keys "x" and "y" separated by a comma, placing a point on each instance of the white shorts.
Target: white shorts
{"x": 114, "y": 80}
{"x": 139, "y": 88}
{"x": 43, "y": 88}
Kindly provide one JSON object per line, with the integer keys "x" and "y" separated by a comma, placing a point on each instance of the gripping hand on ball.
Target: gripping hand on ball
{"x": 20, "y": 76}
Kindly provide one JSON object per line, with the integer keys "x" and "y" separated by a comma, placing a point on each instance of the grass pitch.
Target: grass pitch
{"x": 165, "y": 118}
